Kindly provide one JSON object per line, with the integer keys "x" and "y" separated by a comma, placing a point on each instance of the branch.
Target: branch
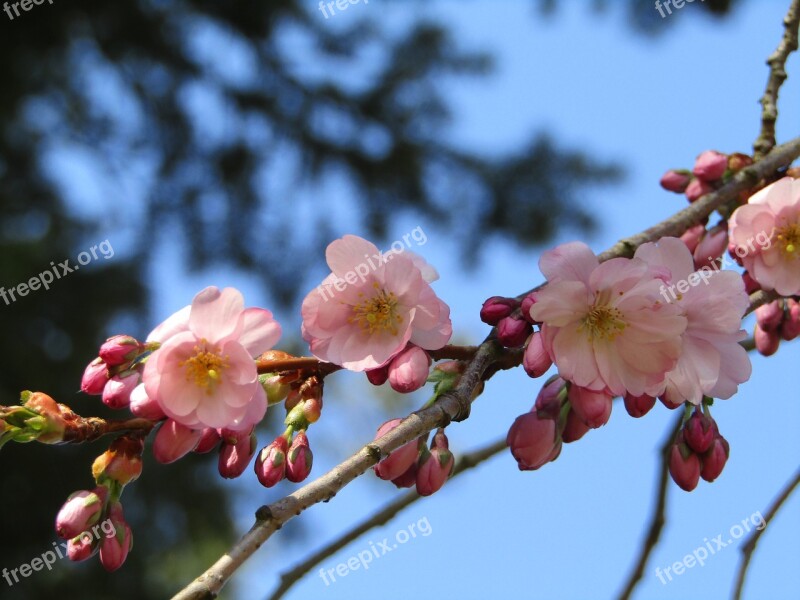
{"x": 658, "y": 518}
{"x": 777, "y": 75}
{"x": 750, "y": 545}
{"x": 466, "y": 462}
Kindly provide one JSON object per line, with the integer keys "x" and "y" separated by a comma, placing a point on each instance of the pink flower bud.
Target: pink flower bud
{"x": 114, "y": 548}
{"x": 639, "y": 406}
{"x": 684, "y": 466}
{"x": 533, "y": 440}
{"x": 525, "y": 307}
{"x": 94, "y": 377}
{"x": 714, "y": 460}
{"x": 676, "y": 180}
{"x": 791, "y": 324}
{"x": 270, "y": 464}
{"x": 208, "y": 441}
{"x": 82, "y": 547}
{"x": 378, "y": 376}
{"x": 299, "y": 459}
{"x": 512, "y": 331}
{"x": 699, "y": 432}
{"x": 234, "y": 458}
{"x": 594, "y": 408}
{"x": 118, "y": 389}
{"x": 143, "y": 406}
{"x": 409, "y": 370}
{"x": 551, "y": 397}
{"x": 750, "y": 284}
{"x": 574, "y": 428}
{"x": 536, "y": 361}
{"x": 711, "y": 247}
{"x": 698, "y": 188}
{"x": 407, "y": 479}
{"x": 120, "y": 349}
{"x": 692, "y": 236}
{"x": 81, "y": 510}
{"x": 767, "y": 342}
{"x": 769, "y": 316}
{"x": 434, "y": 467}
{"x": 710, "y": 165}
{"x": 496, "y": 308}
{"x": 174, "y": 441}
{"x": 399, "y": 461}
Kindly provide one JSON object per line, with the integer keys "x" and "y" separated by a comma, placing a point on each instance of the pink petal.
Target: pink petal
{"x": 215, "y": 314}
{"x": 571, "y": 261}
{"x": 177, "y": 323}
{"x": 260, "y": 331}
{"x": 344, "y": 254}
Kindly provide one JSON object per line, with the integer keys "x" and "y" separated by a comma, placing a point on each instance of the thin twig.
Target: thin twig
{"x": 658, "y": 518}
{"x": 383, "y": 516}
{"x": 777, "y": 75}
{"x": 750, "y": 545}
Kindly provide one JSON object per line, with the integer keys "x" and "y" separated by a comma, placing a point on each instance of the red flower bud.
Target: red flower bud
{"x": 767, "y": 342}
{"x": 710, "y": 165}
{"x": 234, "y": 458}
{"x": 94, "y": 377}
{"x": 675, "y": 180}
{"x": 790, "y": 328}
{"x": 114, "y": 549}
{"x": 120, "y": 349}
{"x": 711, "y": 247}
{"x": 594, "y": 408}
{"x": 533, "y": 440}
{"x": 174, "y": 441}
{"x": 684, "y": 466}
{"x": 639, "y": 406}
{"x": 715, "y": 458}
{"x": 512, "y": 332}
{"x": 551, "y": 397}
{"x": 299, "y": 459}
{"x": 496, "y": 308}
{"x": 118, "y": 389}
{"x": 525, "y": 307}
{"x": 536, "y": 361}
{"x": 699, "y": 432}
{"x": 208, "y": 441}
{"x": 270, "y": 465}
{"x": 378, "y": 376}
{"x": 407, "y": 479}
{"x": 398, "y": 461}
{"x": 81, "y": 510}
{"x": 692, "y": 236}
{"x": 697, "y": 189}
{"x": 434, "y": 467}
{"x": 574, "y": 428}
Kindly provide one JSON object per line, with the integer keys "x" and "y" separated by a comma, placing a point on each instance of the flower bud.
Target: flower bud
{"x": 513, "y": 331}
{"x": 710, "y": 165}
{"x": 120, "y": 349}
{"x": 767, "y": 342}
{"x": 669, "y": 402}
{"x": 114, "y": 549}
{"x": 407, "y": 479}
{"x": 750, "y": 284}
{"x": 497, "y": 308}
{"x": 676, "y": 180}
{"x": 81, "y": 510}
{"x": 399, "y": 461}
{"x": 715, "y": 458}
{"x": 551, "y": 397}
{"x": 409, "y": 370}
{"x": 292, "y": 399}
{"x": 270, "y": 465}
{"x": 692, "y": 236}
{"x": 208, "y": 441}
{"x": 95, "y": 377}
{"x": 574, "y": 428}
{"x": 790, "y": 328}
{"x": 312, "y": 409}
{"x": 299, "y": 459}
{"x": 698, "y": 188}
{"x": 711, "y": 247}
{"x": 82, "y": 547}
{"x": 434, "y": 467}
{"x": 536, "y": 361}
{"x": 143, "y": 406}
{"x": 738, "y": 161}
{"x": 380, "y": 375}
{"x": 174, "y": 441}
{"x": 594, "y": 408}
{"x": 639, "y": 406}
{"x": 52, "y": 421}
{"x": 525, "y": 308}
{"x": 118, "y": 389}
{"x": 770, "y": 315}
{"x": 122, "y": 462}
{"x": 234, "y": 458}
{"x": 684, "y": 466}
{"x": 533, "y": 440}
{"x": 275, "y": 387}
{"x": 699, "y": 432}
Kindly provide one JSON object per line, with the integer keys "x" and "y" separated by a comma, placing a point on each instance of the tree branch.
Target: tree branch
{"x": 383, "y": 516}
{"x": 777, "y": 75}
{"x": 658, "y": 518}
{"x": 750, "y": 545}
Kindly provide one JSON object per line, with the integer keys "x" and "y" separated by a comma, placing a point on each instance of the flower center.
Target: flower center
{"x": 379, "y": 313}
{"x": 603, "y": 322}
{"x": 205, "y": 368}
{"x": 789, "y": 239}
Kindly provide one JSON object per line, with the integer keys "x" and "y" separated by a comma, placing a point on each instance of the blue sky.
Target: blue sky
{"x": 573, "y": 528}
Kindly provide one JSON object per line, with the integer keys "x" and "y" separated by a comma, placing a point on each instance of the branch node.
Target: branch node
{"x": 264, "y": 513}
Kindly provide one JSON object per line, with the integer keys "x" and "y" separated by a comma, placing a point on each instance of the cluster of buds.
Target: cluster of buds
{"x": 511, "y": 317}
{"x": 414, "y": 464}
{"x": 707, "y": 245}
{"x": 780, "y": 319}
{"x": 116, "y": 371}
{"x": 406, "y": 372}
{"x": 285, "y": 458}
{"x": 711, "y": 169}
{"x": 92, "y": 521}
{"x": 698, "y": 451}
{"x": 38, "y": 417}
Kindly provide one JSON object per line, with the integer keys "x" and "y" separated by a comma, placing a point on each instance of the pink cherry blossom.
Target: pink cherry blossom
{"x": 712, "y": 361}
{"x": 604, "y": 325}
{"x": 765, "y": 235}
{"x": 368, "y": 309}
{"x": 204, "y": 375}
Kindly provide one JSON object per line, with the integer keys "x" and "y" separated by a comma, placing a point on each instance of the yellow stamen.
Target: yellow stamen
{"x": 205, "y": 367}
{"x": 603, "y": 322}
{"x": 788, "y": 239}
{"x": 378, "y": 313}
